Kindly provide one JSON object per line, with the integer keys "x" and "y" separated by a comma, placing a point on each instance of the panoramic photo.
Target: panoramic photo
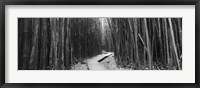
{"x": 100, "y": 43}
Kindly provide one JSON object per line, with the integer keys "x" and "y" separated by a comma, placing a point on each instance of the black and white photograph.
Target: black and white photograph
{"x": 101, "y": 43}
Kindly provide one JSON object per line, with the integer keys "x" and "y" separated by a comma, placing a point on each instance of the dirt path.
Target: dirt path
{"x": 94, "y": 63}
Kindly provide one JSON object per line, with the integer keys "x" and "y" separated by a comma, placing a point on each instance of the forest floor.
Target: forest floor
{"x": 104, "y": 61}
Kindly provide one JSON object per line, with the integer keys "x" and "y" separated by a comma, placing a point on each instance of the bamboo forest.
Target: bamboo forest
{"x": 100, "y": 43}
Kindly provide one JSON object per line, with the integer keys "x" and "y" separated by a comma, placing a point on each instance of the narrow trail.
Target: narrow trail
{"x": 96, "y": 63}
{"x": 93, "y": 64}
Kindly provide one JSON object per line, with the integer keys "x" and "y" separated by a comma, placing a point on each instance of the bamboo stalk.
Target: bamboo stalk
{"x": 148, "y": 45}
{"x": 34, "y": 50}
{"x": 173, "y": 43}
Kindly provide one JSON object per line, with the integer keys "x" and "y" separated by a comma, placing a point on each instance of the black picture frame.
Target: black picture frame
{"x": 98, "y": 2}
